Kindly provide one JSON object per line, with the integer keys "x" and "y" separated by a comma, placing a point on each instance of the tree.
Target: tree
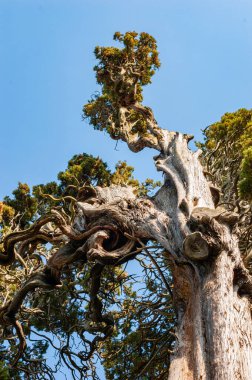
{"x": 105, "y": 227}
{"x": 53, "y": 317}
{"x": 228, "y": 163}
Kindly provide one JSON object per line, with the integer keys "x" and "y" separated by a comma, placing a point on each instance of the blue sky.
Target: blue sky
{"x": 46, "y": 60}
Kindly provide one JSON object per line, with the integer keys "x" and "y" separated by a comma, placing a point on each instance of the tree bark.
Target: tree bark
{"x": 212, "y": 289}
{"x": 214, "y": 328}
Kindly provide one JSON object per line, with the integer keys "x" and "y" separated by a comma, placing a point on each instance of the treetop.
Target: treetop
{"x": 122, "y": 73}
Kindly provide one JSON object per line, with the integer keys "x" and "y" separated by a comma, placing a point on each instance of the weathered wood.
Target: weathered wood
{"x": 214, "y": 329}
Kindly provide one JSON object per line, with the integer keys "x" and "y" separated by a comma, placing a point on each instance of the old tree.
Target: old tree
{"x": 64, "y": 247}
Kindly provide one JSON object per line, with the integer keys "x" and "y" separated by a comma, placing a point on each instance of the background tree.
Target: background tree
{"x": 55, "y": 315}
{"x": 228, "y": 161}
{"x": 94, "y": 231}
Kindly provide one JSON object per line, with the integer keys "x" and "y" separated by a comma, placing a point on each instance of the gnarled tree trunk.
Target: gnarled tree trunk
{"x": 212, "y": 288}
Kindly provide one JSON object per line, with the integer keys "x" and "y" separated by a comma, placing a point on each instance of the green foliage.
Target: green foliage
{"x": 41, "y": 192}
{"x": 23, "y": 203}
{"x": 139, "y": 347}
{"x": 123, "y": 175}
{"x": 84, "y": 169}
{"x": 6, "y": 213}
{"x": 122, "y": 73}
{"x": 148, "y": 186}
{"x": 245, "y": 183}
{"x": 4, "y": 372}
{"x": 227, "y": 157}
{"x": 228, "y": 152}
{"x": 119, "y": 70}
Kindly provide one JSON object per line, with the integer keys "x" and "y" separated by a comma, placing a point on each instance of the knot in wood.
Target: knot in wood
{"x": 196, "y": 247}
{"x": 206, "y": 215}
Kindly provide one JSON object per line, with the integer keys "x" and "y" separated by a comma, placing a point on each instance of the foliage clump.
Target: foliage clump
{"x": 228, "y": 150}
{"x": 227, "y": 156}
{"x": 122, "y": 73}
{"x": 23, "y": 203}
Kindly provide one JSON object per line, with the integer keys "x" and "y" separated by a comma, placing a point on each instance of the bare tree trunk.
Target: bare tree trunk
{"x": 212, "y": 289}
{"x": 214, "y": 329}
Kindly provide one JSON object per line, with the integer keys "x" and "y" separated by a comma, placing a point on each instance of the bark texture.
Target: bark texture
{"x": 214, "y": 322}
{"x": 212, "y": 289}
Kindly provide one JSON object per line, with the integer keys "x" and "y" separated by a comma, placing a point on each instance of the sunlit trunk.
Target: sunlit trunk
{"x": 214, "y": 329}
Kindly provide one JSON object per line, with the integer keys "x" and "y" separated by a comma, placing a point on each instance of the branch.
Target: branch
{"x": 145, "y": 248}
{"x": 34, "y": 233}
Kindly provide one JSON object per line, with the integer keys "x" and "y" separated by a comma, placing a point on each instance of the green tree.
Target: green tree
{"x": 227, "y": 158}
{"x": 56, "y": 314}
{"x": 64, "y": 275}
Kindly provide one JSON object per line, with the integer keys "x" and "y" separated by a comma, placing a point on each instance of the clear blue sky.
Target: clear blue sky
{"x": 46, "y": 60}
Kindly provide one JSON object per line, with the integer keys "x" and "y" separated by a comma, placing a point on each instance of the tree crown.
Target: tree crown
{"x": 122, "y": 73}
